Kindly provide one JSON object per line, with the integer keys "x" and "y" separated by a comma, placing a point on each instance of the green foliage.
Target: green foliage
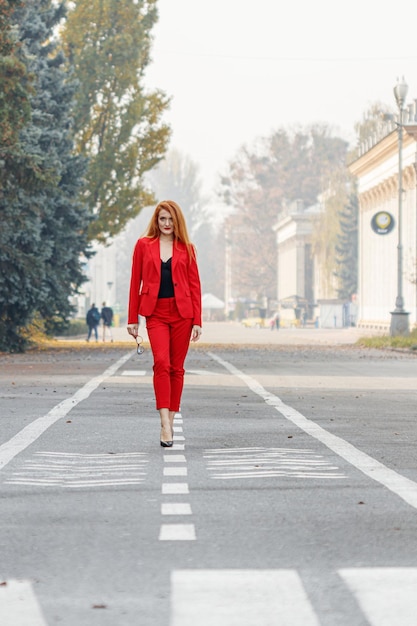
{"x": 74, "y": 328}
{"x": 386, "y": 341}
{"x": 327, "y": 229}
{"x": 117, "y": 124}
{"x": 44, "y": 227}
{"x": 14, "y": 84}
{"x": 347, "y": 248}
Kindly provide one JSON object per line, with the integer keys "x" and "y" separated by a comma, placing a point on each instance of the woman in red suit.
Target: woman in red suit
{"x": 165, "y": 288}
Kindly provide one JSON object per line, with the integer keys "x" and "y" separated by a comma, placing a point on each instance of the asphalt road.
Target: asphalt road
{"x": 289, "y": 498}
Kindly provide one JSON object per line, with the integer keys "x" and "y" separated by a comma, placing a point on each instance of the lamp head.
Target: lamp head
{"x": 400, "y": 92}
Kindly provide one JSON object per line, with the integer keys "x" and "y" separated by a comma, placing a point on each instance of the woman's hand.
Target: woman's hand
{"x": 133, "y": 329}
{"x": 196, "y": 333}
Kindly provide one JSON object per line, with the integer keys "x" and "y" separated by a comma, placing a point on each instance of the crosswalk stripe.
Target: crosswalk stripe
{"x": 239, "y": 598}
{"x": 18, "y": 604}
{"x": 387, "y": 595}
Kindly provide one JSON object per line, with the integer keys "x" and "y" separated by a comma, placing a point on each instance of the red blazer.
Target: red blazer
{"x": 146, "y": 279}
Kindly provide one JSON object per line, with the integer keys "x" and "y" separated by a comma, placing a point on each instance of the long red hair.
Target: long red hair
{"x": 178, "y": 220}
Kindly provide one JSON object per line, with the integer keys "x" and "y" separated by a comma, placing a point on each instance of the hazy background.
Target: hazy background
{"x": 237, "y": 69}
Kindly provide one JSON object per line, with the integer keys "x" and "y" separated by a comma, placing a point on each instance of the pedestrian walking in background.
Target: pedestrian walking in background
{"x": 107, "y": 317}
{"x": 93, "y": 320}
{"x": 165, "y": 288}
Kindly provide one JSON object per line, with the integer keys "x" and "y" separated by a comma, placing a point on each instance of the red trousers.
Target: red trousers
{"x": 169, "y": 335}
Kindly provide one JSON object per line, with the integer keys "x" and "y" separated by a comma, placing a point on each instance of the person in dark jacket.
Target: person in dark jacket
{"x": 93, "y": 320}
{"x": 107, "y": 317}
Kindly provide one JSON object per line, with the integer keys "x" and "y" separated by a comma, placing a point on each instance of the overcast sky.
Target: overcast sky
{"x": 238, "y": 69}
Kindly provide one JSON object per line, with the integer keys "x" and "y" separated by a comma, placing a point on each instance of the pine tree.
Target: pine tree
{"x": 14, "y": 83}
{"x": 347, "y": 249}
{"x": 117, "y": 123}
{"x": 45, "y": 230}
{"x": 18, "y": 171}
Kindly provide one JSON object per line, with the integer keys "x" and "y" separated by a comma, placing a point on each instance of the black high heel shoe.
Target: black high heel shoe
{"x": 166, "y": 444}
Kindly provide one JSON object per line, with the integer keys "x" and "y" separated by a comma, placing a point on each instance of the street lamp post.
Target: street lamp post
{"x": 399, "y": 317}
{"x": 109, "y": 286}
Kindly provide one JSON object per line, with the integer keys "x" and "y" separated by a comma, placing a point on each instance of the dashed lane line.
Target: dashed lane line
{"x": 403, "y": 487}
{"x": 176, "y": 508}
{"x": 175, "y": 471}
{"x": 35, "y": 429}
{"x": 175, "y": 466}
{"x": 177, "y": 532}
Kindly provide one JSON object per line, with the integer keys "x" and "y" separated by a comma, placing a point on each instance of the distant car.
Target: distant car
{"x": 253, "y": 322}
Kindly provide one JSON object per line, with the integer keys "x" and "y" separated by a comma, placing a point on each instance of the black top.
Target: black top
{"x": 166, "y": 288}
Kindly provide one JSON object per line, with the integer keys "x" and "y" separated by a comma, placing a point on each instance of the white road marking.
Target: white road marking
{"x": 265, "y": 462}
{"x": 176, "y": 508}
{"x": 174, "y": 458}
{"x": 175, "y": 471}
{"x": 400, "y": 485}
{"x": 239, "y": 598}
{"x": 202, "y": 372}
{"x": 134, "y": 373}
{"x": 35, "y": 429}
{"x": 177, "y": 532}
{"x": 179, "y": 438}
{"x": 18, "y": 605}
{"x": 387, "y": 596}
{"x": 175, "y": 488}
{"x": 177, "y": 446}
{"x": 75, "y": 470}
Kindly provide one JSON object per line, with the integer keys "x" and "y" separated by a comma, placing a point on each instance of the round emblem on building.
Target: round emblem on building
{"x": 382, "y": 223}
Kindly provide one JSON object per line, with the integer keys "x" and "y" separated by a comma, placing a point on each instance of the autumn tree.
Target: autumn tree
{"x": 263, "y": 180}
{"x": 118, "y": 124}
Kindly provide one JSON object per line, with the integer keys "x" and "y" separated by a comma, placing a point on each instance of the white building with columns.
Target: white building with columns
{"x": 376, "y": 171}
